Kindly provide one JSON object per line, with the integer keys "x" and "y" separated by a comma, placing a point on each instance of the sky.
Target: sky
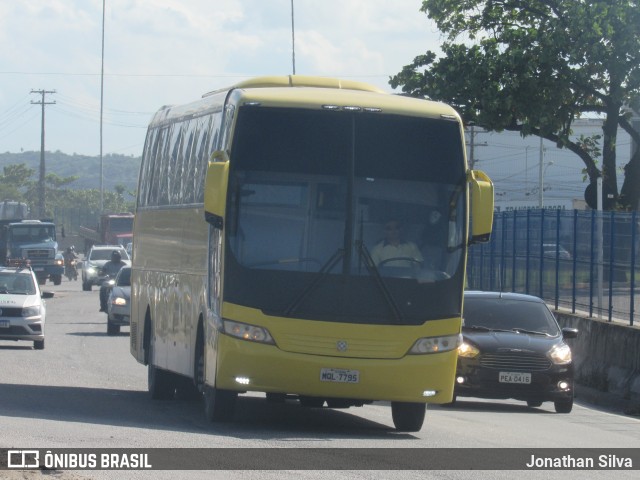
{"x": 161, "y": 52}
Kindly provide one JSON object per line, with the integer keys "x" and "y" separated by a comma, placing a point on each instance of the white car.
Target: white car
{"x": 94, "y": 261}
{"x": 22, "y": 308}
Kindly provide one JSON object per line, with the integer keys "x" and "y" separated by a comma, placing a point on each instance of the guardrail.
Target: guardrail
{"x": 581, "y": 260}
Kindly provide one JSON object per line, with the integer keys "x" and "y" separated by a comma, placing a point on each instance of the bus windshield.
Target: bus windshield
{"x": 346, "y": 216}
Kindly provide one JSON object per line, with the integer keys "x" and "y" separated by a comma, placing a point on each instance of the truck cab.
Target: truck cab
{"x": 35, "y": 241}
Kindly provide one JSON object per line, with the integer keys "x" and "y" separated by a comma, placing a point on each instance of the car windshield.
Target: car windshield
{"x": 105, "y": 254}
{"x": 17, "y": 284}
{"x": 509, "y": 314}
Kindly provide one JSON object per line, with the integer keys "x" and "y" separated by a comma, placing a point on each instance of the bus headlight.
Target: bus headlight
{"x": 435, "y": 344}
{"x": 244, "y": 331}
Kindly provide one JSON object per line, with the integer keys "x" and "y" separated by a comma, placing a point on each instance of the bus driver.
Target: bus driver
{"x": 394, "y": 251}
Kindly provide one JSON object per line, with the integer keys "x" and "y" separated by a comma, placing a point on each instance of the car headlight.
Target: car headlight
{"x": 58, "y": 261}
{"x": 119, "y": 301}
{"x": 244, "y": 331}
{"x": 435, "y": 344}
{"x": 91, "y": 270}
{"x": 560, "y": 354}
{"x": 468, "y": 350}
{"x": 31, "y": 311}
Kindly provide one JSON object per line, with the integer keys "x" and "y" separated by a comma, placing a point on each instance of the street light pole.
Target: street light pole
{"x": 101, "y": 109}
{"x": 293, "y": 41}
{"x": 541, "y": 178}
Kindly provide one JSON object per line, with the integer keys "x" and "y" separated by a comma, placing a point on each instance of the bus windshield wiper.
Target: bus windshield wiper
{"x": 364, "y": 254}
{"x": 320, "y": 274}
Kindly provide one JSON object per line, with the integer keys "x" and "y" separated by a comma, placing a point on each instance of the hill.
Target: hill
{"x": 117, "y": 169}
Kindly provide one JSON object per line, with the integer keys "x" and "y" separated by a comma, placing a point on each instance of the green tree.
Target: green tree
{"x": 15, "y": 181}
{"x": 18, "y": 182}
{"x": 534, "y": 67}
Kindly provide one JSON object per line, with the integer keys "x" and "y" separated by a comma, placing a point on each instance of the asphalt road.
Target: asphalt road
{"x": 85, "y": 390}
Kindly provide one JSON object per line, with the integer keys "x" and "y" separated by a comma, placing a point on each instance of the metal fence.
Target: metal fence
{"x": 582, "y": 260}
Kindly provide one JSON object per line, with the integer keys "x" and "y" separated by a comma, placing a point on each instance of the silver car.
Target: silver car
{"x": 95, "y": 260}
{"x": 119, "y": 302}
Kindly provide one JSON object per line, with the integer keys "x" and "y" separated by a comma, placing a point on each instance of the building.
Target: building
{"x": 529, "y": 173}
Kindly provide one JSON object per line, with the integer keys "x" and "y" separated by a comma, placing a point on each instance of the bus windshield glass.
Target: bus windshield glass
{"x": 346, "y": 216}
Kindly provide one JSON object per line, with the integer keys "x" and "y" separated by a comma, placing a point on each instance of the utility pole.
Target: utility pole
{"x": 41, "y": 185}
{"x": 472, "y": 145}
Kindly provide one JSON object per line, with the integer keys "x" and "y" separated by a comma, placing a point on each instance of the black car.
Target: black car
{"x": 514, "y": 348}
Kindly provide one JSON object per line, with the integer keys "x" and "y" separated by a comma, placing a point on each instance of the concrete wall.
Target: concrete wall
{"x": 606, "y": 357}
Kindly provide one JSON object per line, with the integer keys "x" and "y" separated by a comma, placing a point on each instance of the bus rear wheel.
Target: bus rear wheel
{"x": 159, "y": 382}
{"x": 219, "y": 405}
{"x": 407, "y": 416}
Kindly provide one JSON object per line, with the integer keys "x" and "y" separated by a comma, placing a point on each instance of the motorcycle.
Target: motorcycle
{"x": 71, "y": 270}
{"x": 106, "y": 285}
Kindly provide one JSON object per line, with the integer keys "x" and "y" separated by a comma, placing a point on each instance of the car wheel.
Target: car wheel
{"x": 38, "y": 344}
{"x": 534, "y": 403}
{"x": 112, "y": 329}
{"x": 86, "y": 286}
{"x": 563, "y": 406}
{"x": 408, "y": 416}
{"x": 57, "y": 279}
{"x": 219, "y": 405}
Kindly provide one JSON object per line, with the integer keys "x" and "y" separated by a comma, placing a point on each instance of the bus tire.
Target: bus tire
{"x": 219, "y": 405}
{"x": 160, "y": 382}
{"x": 408, "y": 416}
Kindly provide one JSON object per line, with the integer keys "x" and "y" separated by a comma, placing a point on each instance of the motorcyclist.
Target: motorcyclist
{"x": 110, "y": 270}
{"x": 70, "y": 254}
{"x": 70, "y": 257}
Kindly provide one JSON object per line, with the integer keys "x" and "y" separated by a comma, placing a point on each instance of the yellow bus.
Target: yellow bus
{"x": 266, "y": 223}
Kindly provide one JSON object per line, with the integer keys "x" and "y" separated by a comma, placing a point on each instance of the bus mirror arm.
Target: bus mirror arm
{"x": 215, "y": 220}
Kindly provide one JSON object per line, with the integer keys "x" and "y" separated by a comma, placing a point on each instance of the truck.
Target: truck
{"x": 13, "y": 209}
{"x": 33, "y": 241}
{"x": 112, "y": 229}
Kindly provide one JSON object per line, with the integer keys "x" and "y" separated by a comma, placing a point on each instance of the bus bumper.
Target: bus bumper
{"x": 248, "y": 366}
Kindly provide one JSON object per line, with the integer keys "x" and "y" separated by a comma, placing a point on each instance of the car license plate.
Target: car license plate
{"x": 514, "y": 377}
{"x": 339, "y": 375}
{"x": 38, "y": 269}
{"x": 4, "y": 323}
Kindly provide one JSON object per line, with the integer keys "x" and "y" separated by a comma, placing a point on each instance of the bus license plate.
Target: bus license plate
{"x": 514, "y": 377}
{"x": 339, "y": 375}
{"x": 4, "y": 323}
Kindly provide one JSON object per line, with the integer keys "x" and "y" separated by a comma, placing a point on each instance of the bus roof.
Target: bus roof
{"x": 309, "y": 92}
{"x": 302, "y": 81}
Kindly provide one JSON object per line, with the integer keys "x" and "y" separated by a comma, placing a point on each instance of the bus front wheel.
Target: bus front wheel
{"x": 219, "y": 405}
{"x": 407, "y": 416}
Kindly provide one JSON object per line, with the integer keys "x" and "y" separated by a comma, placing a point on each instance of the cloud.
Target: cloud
{"x": 172, "y": 51}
